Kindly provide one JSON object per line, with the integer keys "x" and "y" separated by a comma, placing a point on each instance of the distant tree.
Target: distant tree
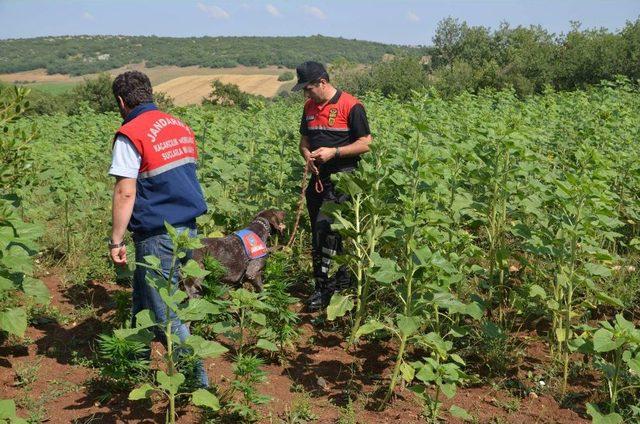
{"x": 286, "y": 76}
{"x": 96, "y": 93}
{"x": 163, "y": 100}
{"x": 448, "y": 37}
{"x": 229, "y": 95}
{"x": 399, "y": 76}
{"x": 42, "y": 103}
{"x": 395, "y": 77}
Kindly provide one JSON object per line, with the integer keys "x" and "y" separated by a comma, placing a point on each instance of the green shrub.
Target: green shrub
{"x": 285, "y": 76}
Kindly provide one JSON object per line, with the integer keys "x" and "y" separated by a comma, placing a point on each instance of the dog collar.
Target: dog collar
{"x": 265, "y": 224}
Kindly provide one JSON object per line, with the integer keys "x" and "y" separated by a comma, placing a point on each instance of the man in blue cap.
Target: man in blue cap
{"x": 334, "y": 133}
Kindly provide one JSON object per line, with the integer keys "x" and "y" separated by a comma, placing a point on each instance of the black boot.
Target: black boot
{"x": 321, "y": 296}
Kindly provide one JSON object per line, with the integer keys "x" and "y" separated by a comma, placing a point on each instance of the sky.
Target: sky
{"x": 411, "y": 22}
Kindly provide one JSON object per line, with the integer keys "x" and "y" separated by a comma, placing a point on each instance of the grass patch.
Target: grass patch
{"x": 52, "y": 87}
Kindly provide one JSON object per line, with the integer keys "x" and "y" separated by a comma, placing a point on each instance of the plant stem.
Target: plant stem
{"x": 614, "y": 391}
{"x": 396, "y": 371}
{"x": 168, "y": 333}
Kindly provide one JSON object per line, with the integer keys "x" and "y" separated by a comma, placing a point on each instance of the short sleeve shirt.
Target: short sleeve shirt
{"x": 125, "y": 159}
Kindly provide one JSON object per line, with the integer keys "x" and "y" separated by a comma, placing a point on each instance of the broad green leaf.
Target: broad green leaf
{"x": 426, "y": 374}
{"x": 537, "y": 291}
{"x": 599, "y": 418}
{"x": 457, "y": 358}
{"x": 171, "y": 230}
{"x": 205, "y": 348}
{"x": 170, "y": 383}
{"x": 338, "y": 306}
{"x": 16, "y": 259}
{"x": 196, "y": 310}
{"x": 407, "y": 325}
{"x": 258, "y": 318}
{"x": 6, "y": 284}
{"x": 369, "y": 328}
{"x": 36, "y": 290}
{"x": 142, "y": 335}
{"x": 597, "y": 270}
{"x": 173, "y": 299}
{"x": 192, "y": 269}
{"x": 609, "y": 300}
{"x": 474, "y": 310}
{"x": 603, "y": 341}
{"x": 624, "y": 325}
{"x": 13, "y": 321}
{"x": 352, "y": 187}
{"x": 437, "y": 344}
{"x": 145, "y": 319}
{"x": 386, "y": 275}
{"x": 421, "y": 256}
{"x": 563, "y": 279}
{"x": 461, "y": 413}
{"x": 408, "y": 372}
{"x": 449, "y": 390}
{"x": 142, "y": 392}
{"x": 151, "y": 261}
{"x": 634, "y": 364}
{"x": 8, "y": 412}
{"x": 125, "y": 272}
{"x": 202, "y": 397}
{"x": 7, "y": 408}
{"x": 266, "y": 345}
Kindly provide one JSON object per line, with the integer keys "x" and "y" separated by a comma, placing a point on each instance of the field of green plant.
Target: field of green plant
{"x": 476, "y": 226}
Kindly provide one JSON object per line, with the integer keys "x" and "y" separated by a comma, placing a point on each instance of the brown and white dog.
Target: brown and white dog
{"x": 230, "y": 252}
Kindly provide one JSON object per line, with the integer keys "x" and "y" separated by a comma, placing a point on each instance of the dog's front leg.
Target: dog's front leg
{"x": 254, "y": 273}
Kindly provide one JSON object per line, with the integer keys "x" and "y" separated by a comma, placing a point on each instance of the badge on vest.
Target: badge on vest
{"x": 333, "y": 112}
{"x": 253, "y": 245}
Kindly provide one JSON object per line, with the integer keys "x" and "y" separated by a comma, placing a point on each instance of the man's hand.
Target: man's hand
{"x": 119, "y": 255}
{"x": 323, "y": 154}
{"x": 311, "y": 166}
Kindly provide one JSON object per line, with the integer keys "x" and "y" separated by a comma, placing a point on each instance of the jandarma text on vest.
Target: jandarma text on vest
{"x": 161, "y": 123}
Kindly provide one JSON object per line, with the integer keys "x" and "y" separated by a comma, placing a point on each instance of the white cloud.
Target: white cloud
{"x": 273, "y": 11}
{"x": 315, "y": 12}
{"x": 213, "y": 11}
{"x": 412, "y": 17}
{"x": 88, "y": 16}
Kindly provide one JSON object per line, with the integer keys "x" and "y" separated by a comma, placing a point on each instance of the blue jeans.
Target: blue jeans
{"x": 147, "y": 297}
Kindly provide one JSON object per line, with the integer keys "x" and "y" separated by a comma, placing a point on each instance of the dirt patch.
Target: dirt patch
{"x": 192, "y": 89}
{"x": 48, "y": 382}
{"x": 181, "y": 80}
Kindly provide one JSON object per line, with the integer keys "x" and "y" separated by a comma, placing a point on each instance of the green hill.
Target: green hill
{"x": 79, "y": 55}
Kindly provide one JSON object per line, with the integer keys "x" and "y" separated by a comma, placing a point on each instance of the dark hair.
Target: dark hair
{"x": 134, "y": 87}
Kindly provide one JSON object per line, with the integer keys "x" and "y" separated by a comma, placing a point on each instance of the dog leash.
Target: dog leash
{"x": 319, "y": 188}
{"x": 303, "y": 187}
{"x": 318, "y": 185}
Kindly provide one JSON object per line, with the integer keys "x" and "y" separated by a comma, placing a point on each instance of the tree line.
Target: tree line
{"x": 81, "y": 55}
{"x": 528, "y": 59}
{"x": 462, "y": 58}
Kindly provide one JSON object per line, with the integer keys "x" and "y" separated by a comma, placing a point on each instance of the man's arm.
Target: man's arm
{"x": 360, "y": 134}
{"x": 358, "y": 147}
{"x": 124, "y": 196}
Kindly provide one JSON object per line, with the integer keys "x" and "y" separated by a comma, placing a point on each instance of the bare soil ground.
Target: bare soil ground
{"x": 246, "y": 77}
{"x": 43, "y": 375}
{"x": 192, "y": 89}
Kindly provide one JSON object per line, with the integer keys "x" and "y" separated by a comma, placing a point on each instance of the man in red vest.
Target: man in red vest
{"x": 154, "y": 163}
{"x": 334, "y": 133}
